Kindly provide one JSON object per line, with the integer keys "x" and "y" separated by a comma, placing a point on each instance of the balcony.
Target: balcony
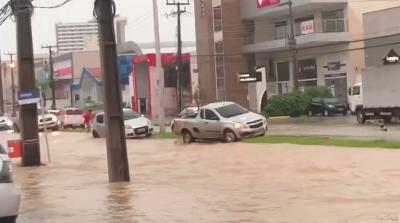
{"x": 324, "y": 32}
{"x": 249, "y": 9}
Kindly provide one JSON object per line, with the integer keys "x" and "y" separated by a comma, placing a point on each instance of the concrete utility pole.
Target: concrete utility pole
{"x": 118, "y": 167}
{"x": 292, "y": 45}
{"x": 28, "y": 113}
{"x": 178, "y": 13}
{"x": 1, "y": 87}
{"x": 52, "y": 85}
{"x": 159, "y": 68}
{"x": 12, "y": 67}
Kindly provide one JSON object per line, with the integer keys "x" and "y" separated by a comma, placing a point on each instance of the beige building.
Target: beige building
{"x": 329, "y": 43}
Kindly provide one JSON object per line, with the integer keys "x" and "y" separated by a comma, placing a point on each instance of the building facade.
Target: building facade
{"x": 329, "y": 45}
{"x": 84, "y": 36}
{"x": 219, "y": 51}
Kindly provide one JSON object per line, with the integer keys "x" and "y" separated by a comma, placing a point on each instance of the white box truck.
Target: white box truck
{"x": 378, "y": 96}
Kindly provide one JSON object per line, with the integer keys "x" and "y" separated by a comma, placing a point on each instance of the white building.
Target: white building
{"x": 84, "y": 36}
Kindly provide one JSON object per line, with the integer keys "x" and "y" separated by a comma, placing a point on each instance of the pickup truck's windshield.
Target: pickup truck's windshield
{"x": 231, "y": 110}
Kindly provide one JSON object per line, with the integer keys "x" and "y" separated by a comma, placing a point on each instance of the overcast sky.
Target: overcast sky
{"x": 138, "y": 12}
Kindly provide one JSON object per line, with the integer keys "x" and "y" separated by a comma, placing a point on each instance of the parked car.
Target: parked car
{"x": 5, "y": 123}
{"x": 327, "y": 106}
{"x": 44, "y": 117}
{"x": 9, "y": 197}
{"x": 54, "y": 112}
{"x": 135, "y": 125}
{"x": 223, "y": 120}
{"x": 71, "y": 118}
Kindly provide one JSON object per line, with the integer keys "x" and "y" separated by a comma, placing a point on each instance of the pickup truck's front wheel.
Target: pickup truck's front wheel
{"x": 187, "y": 137}
{"x": 229, "y": 136}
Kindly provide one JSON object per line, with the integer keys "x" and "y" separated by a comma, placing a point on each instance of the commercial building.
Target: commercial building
{"x": 220, "y": 56}
{"x": 84, "y": 36}
{"x": 329, "y": 43}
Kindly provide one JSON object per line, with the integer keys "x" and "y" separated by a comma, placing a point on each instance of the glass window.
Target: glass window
{"x": 219, "y": 47}
{"x": 307, "y": 69}
{"x": 100, "y": 119}
{"x": 304, "y": 25}
{"x": 219, "y": 61}
{"x": 283, "y": 71}
{"x": 333, "y": 21}
{"x": 281, "y": 30}
{"x": 356, "y": 90}
{"x": 74, "y": 112}
{"x": 217, "y": 18}
{"x": 231, "y": 110}
{"x": 202, "y": 113}
{"x": 210, "y": 115}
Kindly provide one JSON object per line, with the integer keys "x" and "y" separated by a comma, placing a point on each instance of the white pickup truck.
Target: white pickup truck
{"x": 378, "y": 96}
{"x": 222, "y": 120}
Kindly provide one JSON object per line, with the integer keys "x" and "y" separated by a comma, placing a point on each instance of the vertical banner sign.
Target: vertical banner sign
{"x": 265, "y": 3}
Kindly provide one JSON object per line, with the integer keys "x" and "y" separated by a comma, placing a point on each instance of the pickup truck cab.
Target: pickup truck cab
{"x": 222, "y": 120}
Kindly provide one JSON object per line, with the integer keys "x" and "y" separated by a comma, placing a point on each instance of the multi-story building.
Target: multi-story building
{"x": 71, "y": 36}
{"x": 220, "y": 55}
{"x": 84, "y": 36}
{"x": 329, "y": 43}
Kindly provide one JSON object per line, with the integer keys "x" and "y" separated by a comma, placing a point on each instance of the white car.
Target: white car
{"x": 9, "y": 197}
{"x": 5, "y": 123}
{"x": 71, "y": 117}
{"x": 135, "y": 125}
{"x": 44, "y": 117}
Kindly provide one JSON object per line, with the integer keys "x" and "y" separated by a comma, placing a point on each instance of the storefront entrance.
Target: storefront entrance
{"x": 338, "y": 86}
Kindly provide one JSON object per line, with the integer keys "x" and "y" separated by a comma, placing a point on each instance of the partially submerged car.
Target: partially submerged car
{"x": 222, "y": 120}
{"x": 135, "y": 125}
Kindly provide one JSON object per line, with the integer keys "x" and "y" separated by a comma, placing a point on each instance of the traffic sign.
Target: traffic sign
{"x": 28, "y": 97}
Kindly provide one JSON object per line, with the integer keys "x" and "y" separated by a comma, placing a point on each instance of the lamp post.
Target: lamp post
{"x": 292, "y": 44}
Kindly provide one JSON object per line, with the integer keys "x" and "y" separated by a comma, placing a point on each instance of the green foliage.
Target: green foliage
{"x": 294, "y": 104}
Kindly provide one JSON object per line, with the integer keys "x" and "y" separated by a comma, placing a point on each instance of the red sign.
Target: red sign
{"x": 265, "y": 3}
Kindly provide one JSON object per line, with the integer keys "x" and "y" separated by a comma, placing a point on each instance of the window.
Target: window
{"x": 307, "y": 69}
{"x": 210, "y": 115}
{"x": 281, "y": 30}
{"x": 217, "y": 18}
{"x": 129, "y": 114}
{"x": 100, "y": 119}
{"x": 219, "y": 47}
{"x": 304, "y": 26}
{"x": 356, "y": 90}
{"x": 202, "y": 113}
{"x": 333, "y": 21}
{"x": 74, "y": 112}
{"x": 231, "y": 110}
{"x": 219, "y": 61}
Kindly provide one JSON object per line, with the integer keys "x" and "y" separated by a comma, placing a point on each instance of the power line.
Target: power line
{"x": 53, "y": 6}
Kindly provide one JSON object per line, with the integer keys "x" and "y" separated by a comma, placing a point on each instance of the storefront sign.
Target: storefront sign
{"x": 334, "y": 66}
{"x": 63, "y": 70}
{"x": 265, "y": 3}
{"x": 307, "y": 27}
{"x": 249, "y": 78}
{"x": 391, "y": 58}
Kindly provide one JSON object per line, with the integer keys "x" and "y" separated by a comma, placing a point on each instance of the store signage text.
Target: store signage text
{"x": 249, "y": 78}
{"x": 307, "y": 27}
{"x": 265, "y": 3}
{"x": 391, "y": 58}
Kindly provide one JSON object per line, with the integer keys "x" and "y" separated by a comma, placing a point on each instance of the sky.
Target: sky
{"x": 138, "y": 12}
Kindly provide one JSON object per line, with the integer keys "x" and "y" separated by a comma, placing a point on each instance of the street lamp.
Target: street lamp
{"x": 292, "y": 44}
{"x": 14, "y": 110}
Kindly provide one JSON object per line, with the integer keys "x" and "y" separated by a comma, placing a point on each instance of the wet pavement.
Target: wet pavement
{"x": 335, "y": 126}
{"x": 210, "y": 182}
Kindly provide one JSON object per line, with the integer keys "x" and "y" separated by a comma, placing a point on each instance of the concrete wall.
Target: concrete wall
{"x": 205, "y": 49}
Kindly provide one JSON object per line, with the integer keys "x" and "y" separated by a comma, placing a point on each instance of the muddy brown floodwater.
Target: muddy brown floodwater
{"x": 211, "y": 182}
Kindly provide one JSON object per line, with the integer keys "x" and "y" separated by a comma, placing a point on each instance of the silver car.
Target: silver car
{"x": 135, "y": 125}
{"x": 223, "y": 120}
{"x": 9, "y": 197}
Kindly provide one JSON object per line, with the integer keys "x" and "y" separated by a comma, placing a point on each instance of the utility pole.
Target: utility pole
{"x": 178, "y": 13}
{"x": 118, "y": 167}
{"x": 1, "y": 87}
{"x": 159, "y": 68}
{"x": 52, "y": 85}
{"x": 292, "y": 45}
{"x": 12, "y": 67}
{"x": 23, "y": 10}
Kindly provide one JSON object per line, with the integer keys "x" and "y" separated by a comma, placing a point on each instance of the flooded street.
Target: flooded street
{"x": 210, "y": 182}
